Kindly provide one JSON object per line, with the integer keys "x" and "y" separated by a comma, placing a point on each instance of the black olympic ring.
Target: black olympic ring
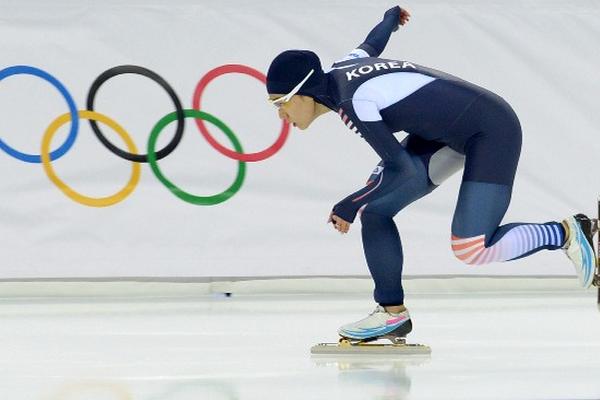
{"x": 134, "y": 69}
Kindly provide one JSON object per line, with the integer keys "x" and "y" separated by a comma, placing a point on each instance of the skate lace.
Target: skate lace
{"x": 378, "y": 309}
{"x": 381, "y": 309}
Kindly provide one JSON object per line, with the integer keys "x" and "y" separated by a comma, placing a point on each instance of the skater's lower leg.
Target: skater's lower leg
{"x": 477, "y": 237}
{"x": 383, "y": 252}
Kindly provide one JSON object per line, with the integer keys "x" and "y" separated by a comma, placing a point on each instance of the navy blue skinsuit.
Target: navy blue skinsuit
{"x": 451, "y": 124}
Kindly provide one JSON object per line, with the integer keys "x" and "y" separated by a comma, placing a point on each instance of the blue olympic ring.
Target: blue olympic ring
{"x": 33, "y": 158}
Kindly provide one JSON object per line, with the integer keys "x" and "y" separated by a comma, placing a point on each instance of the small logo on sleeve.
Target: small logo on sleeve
{"x": 378, "y": 169}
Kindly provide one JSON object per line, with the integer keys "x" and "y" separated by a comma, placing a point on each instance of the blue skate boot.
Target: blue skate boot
{"x": 380, "y": 324}
{"x": 579, "y": 246}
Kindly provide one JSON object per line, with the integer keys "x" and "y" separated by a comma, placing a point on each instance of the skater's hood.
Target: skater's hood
{"x": 292, "y": 68}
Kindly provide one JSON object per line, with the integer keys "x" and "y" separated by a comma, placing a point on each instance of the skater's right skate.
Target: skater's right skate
{"x": 359, "y": 337}
{"x": 379, "y": 324}
{"x": 579, "y": 246}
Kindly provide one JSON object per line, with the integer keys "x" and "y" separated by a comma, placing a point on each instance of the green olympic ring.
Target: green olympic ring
{"x": 190, "y": 198}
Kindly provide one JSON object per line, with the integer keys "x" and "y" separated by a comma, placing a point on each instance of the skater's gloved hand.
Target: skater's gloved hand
{"x": 404, "y": 16}
{"x": 400, "y": 13}
{"x": 338, "y": 223}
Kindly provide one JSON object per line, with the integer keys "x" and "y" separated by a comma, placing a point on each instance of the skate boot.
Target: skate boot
{"x": 360, "y": 337}
{"x": 380, "y": 324}
{"x": 579, "y": 246}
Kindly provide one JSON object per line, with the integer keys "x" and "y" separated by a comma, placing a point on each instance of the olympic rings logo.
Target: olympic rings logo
{"x": 74, "y": 115}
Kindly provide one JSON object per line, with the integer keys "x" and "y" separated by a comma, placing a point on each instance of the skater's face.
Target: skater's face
{"x": 299, "y": 111}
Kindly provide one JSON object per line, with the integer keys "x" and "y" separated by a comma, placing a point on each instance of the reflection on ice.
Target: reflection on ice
{"x": 500, "y": 346}
{"x": 385, "y": 376}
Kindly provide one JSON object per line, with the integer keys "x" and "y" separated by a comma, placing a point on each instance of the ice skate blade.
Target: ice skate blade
{"x": 595, "y": 226}
{"x": 370, "y": 348}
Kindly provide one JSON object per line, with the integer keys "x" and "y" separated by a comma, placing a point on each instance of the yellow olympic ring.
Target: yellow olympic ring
{"x": 89, "y": 201}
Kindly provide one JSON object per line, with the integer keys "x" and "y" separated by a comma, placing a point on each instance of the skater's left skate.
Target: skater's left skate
{"x": 579, "y": 246}
{"x": 359, "y": 337}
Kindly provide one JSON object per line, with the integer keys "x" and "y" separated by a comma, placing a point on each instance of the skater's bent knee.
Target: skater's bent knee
{"x": 470, "y": 250}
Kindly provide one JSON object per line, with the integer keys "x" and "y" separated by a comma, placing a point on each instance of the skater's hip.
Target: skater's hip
{"x": 488, "y": 119}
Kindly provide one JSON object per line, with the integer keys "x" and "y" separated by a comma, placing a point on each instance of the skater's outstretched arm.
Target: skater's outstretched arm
{"x": 379, "y": 36}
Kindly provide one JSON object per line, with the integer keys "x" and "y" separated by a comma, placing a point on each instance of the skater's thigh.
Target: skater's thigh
{"x": 434, "y": 162}
{"x": 480, "y": 208}
{"x": 486, "y": 188}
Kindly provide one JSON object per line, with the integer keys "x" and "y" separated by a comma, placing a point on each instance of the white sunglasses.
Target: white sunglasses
{"x": 278, "y": 102}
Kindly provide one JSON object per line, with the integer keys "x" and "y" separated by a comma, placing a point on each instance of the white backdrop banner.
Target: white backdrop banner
{"x": 540, "y": 55}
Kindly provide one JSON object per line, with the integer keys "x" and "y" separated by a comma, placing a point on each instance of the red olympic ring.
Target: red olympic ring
{"x": 247, "y": 157}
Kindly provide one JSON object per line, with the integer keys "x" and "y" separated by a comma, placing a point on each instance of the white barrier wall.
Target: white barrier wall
{"x": 541, "y": 56}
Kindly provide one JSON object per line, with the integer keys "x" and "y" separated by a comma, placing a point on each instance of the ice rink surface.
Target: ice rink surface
{"x": 494, "y": 346}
